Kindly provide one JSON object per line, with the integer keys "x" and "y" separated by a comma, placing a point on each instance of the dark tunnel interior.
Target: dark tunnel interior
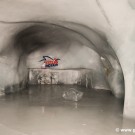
{"x": 35, "y": 40}
{"x": 67, "y": 67}
{"x": 88, "y": 77}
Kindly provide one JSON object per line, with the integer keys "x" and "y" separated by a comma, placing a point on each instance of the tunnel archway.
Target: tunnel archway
{"x": 32, "y": 41}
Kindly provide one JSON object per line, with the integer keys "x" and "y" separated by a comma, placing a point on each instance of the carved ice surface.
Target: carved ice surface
{"x": 78, "y": 37}
{"x": 72, "y": 94}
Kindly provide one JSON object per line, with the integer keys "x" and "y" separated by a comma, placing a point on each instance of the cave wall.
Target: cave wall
{"x": 113, "y": 18}
{"x": 72, "y": 49}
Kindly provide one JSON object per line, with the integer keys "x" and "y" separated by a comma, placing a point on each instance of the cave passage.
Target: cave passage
{"x": 84, "y": 54}
{"x": 86, "y": 64}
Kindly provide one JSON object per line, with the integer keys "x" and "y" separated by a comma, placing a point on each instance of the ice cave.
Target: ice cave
{"x": 67, "y": 67}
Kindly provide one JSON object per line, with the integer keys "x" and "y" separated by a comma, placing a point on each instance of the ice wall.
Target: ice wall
{"x": 29, "y": 42}
{"x": 113, "y": 18}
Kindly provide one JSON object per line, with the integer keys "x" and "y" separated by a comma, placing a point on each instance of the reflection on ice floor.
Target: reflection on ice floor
{"x": 41, "y": 110}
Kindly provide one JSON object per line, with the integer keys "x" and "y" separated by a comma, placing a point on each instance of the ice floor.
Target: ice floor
{"x": 41, "y": 110}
